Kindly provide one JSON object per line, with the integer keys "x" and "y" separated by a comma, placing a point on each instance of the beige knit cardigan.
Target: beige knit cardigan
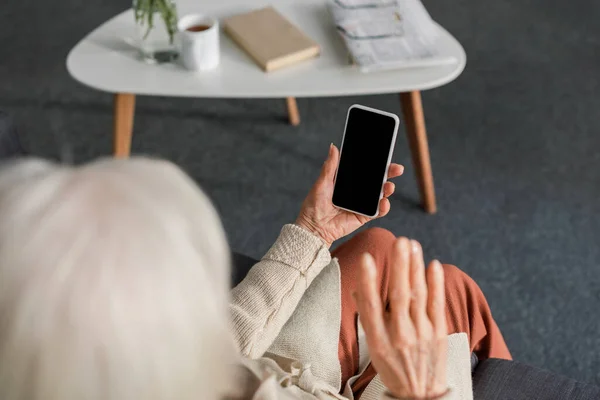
{"x": 286, "y": 320}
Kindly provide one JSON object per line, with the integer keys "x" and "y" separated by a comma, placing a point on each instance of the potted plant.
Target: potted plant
{"x": 156, "y": 24}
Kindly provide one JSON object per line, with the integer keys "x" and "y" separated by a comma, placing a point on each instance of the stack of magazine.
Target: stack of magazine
{"x": 388, "y": 34}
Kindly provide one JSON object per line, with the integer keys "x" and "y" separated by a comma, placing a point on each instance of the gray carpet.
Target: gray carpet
{"x": 514, "y": 144}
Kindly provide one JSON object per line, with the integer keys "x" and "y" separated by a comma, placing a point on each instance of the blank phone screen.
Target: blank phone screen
{"x": 363, "y": 161}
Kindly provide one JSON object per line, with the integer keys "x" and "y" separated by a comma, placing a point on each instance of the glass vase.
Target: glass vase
{"x": 156, "y": 26}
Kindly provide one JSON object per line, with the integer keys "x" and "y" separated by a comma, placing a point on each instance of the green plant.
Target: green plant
{"x": 144, "y": 15}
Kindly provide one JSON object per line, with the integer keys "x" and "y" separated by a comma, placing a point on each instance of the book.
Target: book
{"x": 270, "y": 39}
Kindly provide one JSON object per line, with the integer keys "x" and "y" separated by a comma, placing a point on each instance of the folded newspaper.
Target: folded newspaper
{"x": 389, "y": 34}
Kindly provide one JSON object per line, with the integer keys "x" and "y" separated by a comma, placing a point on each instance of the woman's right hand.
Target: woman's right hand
{"x": 327, "y": 222}
{"x": 407, "y": 342}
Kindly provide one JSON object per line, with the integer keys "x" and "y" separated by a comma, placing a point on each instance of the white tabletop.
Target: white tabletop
{"x": 105, "y": 60}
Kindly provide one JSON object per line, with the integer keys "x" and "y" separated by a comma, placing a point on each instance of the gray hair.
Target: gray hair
{"x": 114, "y": 282}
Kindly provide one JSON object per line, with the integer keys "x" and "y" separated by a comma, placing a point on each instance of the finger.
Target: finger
{"x": 330, "y": 165}
{"x": 402, "y": 332}
{"x": 395, "y": 170}
{"x": 436, "y": 301}
{"x": 384, "y": 207}
{"x": 399, "y": 286}
{"x": 388, "y": 189}
{"x": 418, "y": 306}
{"x": 436, "y": 308}
{"x": 418, "y": 312}
{"x": 369, "y": 307}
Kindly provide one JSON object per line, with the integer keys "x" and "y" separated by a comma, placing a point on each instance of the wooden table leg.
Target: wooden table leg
{"x": 124, "y": 110}
{"x": 412, "y": 109}
{"x": 293, "y": 114}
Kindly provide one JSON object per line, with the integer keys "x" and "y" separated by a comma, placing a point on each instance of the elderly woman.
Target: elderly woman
{"x": 114, "y": 286}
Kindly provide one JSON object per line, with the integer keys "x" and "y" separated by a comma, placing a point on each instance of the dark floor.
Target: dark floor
{"x": 514, "y": 143}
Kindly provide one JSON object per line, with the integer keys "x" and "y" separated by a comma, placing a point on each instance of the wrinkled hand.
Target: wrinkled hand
{"x": 407, "y": 342}
{"x": 318, "y": 214}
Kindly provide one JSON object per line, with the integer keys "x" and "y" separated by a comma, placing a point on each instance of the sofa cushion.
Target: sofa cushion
{"x": 241, "y": 265}
{"x": 493, "y": 379}
{"x": 10, "y": 145}
{"x": 496, "y": 379}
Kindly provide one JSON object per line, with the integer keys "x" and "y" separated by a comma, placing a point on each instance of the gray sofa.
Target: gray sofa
{"x": 492, "y": 379}
{"x": 10, "y": 143}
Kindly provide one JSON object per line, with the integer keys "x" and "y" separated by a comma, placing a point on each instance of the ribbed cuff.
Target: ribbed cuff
{"x": 299, "y": 249}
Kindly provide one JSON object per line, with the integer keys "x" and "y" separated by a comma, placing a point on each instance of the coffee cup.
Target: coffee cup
{"x": 199, "y": 42}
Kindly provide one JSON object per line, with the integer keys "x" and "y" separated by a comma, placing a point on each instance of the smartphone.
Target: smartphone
{"x": 365, "y": 156}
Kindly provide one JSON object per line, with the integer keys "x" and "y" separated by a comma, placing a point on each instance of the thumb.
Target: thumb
{"x": 330, "y": 165}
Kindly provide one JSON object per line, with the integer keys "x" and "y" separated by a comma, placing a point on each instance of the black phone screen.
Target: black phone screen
{"x": 363, "y": 161}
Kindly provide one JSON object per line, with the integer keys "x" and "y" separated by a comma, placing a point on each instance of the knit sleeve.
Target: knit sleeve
{"x": 263, "y": 302}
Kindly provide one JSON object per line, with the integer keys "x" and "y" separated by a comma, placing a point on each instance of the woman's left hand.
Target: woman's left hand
{"x": 318, "y": 214}
{"x": 407, "y": 339}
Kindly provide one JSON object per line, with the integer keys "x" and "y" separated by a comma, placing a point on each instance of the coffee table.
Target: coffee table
{"x": 105, "y": 60}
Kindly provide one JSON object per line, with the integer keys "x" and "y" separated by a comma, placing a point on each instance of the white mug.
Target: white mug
{"x": 199, "y": 48}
